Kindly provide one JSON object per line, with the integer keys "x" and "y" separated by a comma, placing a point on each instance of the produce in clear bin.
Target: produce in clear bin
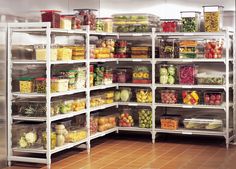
{"x": 187, "y": 74}
{"x": 125, "y": 94}
{"x": 28, "y": 139}
{"x": 169, "y": 96}
{"x": 167, "y": 74}
{"x": 106, "y": 122}
{"x": 93, "y": 124}
{"x": 141, "y": 74}
{"x": 144, "y": 96}
{"x": 117, "y": 95}
{"x": 126, "y": 120}
{"x": 190, "y": 97}
{"x": 145, "y": 118}
{"x": 99, "y": 75}
{"x": 214, "y": 49}
{"x": 53, "y": 140}
{"x": 213, "y": 98}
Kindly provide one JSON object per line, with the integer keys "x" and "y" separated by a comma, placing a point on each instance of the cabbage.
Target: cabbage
{"x": 163, "y": 71}
{"x": 117, "y": 95}
{"x": 31, "y": 137}
{"x": 163, "y": 79}
{"x": 171, "y": 70}
{"x": 171, "y": 80}
{"x": 124, "y": 95}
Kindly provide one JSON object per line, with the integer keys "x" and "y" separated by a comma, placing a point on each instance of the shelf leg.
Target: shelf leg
{"x": 48, "y": 166}
{"x": 9, "y": 163}
{"x": 88, "y": 147}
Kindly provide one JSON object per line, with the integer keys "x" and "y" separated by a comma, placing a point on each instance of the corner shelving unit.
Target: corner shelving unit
{"x": 44, "y": 29}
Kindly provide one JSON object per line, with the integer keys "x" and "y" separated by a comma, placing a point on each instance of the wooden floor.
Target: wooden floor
{"x": 137, "y": 152}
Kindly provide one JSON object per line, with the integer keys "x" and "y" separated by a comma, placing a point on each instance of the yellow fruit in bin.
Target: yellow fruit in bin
{"x": 140, "y": 75}
{"x": 96, "y": 51}
{"x": 135, "y": 75}
{"x": 146, "y": 75}
{"x": 195, "y": 95}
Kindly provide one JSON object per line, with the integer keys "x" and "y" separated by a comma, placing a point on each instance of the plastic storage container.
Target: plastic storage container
{"x": 213, "y": 98}
{"x": 140, "y": 52}
{"x": 53, "y": 140}
{"x": 99, "y": 75}
{"x": 93, "y": 123}
{"x": 203, "y": 124}
{"x": 123, "y": 75}
{"x": 169, "y": 48}
{"x": 108, "y": 25}
{"x": 141, "y": 74}
{"x": 66, "y": 22}
{"x": 99, "y": 25}
{"x": 75, "y": 22}
{"x": 41, "y": 53}
{"x": 78, "y": 104}
{"x": 109, "y": 97}
{"x": 52, "y": 16}
{"x": 145, "y": 118}
{"x": 187, "y": 74}
{"x": 26, "y": 84}
{"x": 78, "y": 52}
{"x": 210, "y": 78}
{"x": 125, "y": 94}
{"x": 106, "y": 122}
{"x": 76, "y": 134}
{"x": 64, "y": 53}
{"x": 87, "y": 17}
{"x": 170, "y": 25}
{"x": 81, "y": 78}
{"x": 40, "y": 85}
{"x": 121, "y": 50}
{"x": 59, "y": 85}
{"x": 169, "y": 96}
{"x": 168, "y": 74}
{"x": 213, "y": 18}
{"x": 91, "y": 75}
{"x": 188, "y": 49}
{"x": 97, "y": 100}
{"x": 190, "y": 97}
{"x": 144, "y": 96}
{"x": 66, "y": 106}
{"x": 214, "y": 49}
{"x": 170, "y": 122}
{"x": 190, "y": 21}
{"x": 126, "y": 118}
{"x": 55, "y": 107}
{"x": 108, "y": 76}
{"x": 30, "y": 108}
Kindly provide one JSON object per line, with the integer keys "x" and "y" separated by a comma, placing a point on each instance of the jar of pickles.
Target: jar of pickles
{"x": 40, "y": 85}
{"x": 213, "y": 18}
{"x": 26, "y": 84}
{"x": 52, "y": 16}
{"x": 190, "y": 21}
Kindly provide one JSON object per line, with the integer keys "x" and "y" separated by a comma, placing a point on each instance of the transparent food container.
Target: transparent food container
{"x": 170, "y": 122}
{"x": 168, "y": 74}
{"x": 106, "y": 122}
{"x": 41, "y": 52}
{"x": 203, "y": 124}
{"x": 53, "y": 140}
{"x": 99, "y": 75}
{"x": 121, "y": 50}
{"x": 145, "y": 118}
{"x": 190, "y": 97}
{"x": 144, "y": 96}
{"x": 78, "y": 104}
{"x": 170, "y": 25}
{"x": 66, "y": 106}
{"x": 190, "y": 21}
{"x": 26, "y": 84}
{"x": 108, "y": 25}
{"x": 126, "y": 118}
{"x": 109, "y": 97}
{"x": 140, "y": 52}
{"x": 108, "y": 76}
{"x": 169, "y": 96}
{"x": 187, "y": 74}
{"x": 64, "y": 54}
{"x": 81, "y": 78}
{"x": 93, "y": 123}
{"x": 123, "y": 75}
{"x": 78, "y": 52}
{"x": 125, "y": 94}
{"x": 141, "y": 74}
{"x": 169, "y": 48}
{"x": 213, "y": 18}
{"x": 30, "y": 108}
{"x": 210, "y": 78}
{"x": 40, "y": 85}
{"x": 99, "y": 25}
{"x": 214, "y": 49}
{"x": 66, "y": 22}
{"x": 188, "y": 49}
{"x": 59, "y": 85}
{"x": 76, "y": 134}
{"x": 213, "y": 98}
{"x": 52, "y": 16}
{"x": 87, "y": 17}
{"x": 55, "y": 107}
{"x": 97, "y": 100}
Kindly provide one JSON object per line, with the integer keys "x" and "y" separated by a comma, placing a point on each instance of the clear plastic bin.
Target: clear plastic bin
{"x": 121, "y": 50}
{"x": 87, "y": 17}
{"x": 40, "y": 85}
{"x": 93, "y": 123}
{"x": 52, "y": 16}
{"x": 64, "y": 54}
{"x": 66, "y": 106}
{"x": 81, "y": 78}
{"x": 214, "y": 49}
{"x": 126, "y": 118}
{"x": 78, "y": 104}
{"x": 210, "y": 79}
{"x": 168, "y": 74}
{"x": 187, "y": 74}
{"x": 41, "y": 52}
{"x": 169, "y": 48}
{"x": 59, "y": 85}
{"x": 140, "y": 52}
{"x": 66, "y": 22}
{"x": 190, "y": 97}
{"x": 76, "y": 134}
{"x": 170, "y": 122}
{"x": 203, "y": 124}
{"x": 213, "y": 18}
{"x": 26, "y": 84}
{"x": 188, "y": 49}
{"x": 190, "y": 21}
{"x": 213, "y": 98}
{"x": 97, "y": 100}
{"x": 53, "y": 140}
{"x": 170, "y": 25}
{"x": 106, "y": 122}
{"x": 145, "y": 118}
{"x": 141, "y": 74}
{"x": 108, "y": 76}
{"x": 169, "y": 96}
{"x": 144, "y": 96}
{"x": 125, "y": 94}
{"x": 55, "y": 107}
{"x": 123, "y": 75}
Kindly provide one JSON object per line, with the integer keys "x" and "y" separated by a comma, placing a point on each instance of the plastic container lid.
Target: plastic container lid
{"x": 40, "y": 79}
{"x": 50, "y": 11}
{"x": 25, "y": 78}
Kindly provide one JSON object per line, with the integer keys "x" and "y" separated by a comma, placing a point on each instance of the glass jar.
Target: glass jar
{"x": 26, "y": 84}
{"x": 41, "y": 52}
{"x": 53, "y": 140}
{"x": 190, "y": 21}
{"x": 52, "y": 16}
{"x": 168, "y": 74}
{"x": 40, "y": 85}
{"x": 170, "y": 25}
{"x": 65, "y": 22}
{"x": 213, "y": 18}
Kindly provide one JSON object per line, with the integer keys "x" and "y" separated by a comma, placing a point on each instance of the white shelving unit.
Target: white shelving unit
{"x": 44, "y": 29}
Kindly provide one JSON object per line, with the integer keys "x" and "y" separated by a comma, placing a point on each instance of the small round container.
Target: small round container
{"x": 40, "y": 85}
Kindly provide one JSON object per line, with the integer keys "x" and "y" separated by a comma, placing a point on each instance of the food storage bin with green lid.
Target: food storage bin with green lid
{"x": 26, "y": 84}
{"x": 40, "y": 85}
{"x": 213, "y": 18}
{"x": 190, "y": 21}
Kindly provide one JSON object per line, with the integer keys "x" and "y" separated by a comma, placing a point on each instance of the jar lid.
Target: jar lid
{"x": 40, "y": 79}
{"x": 25, "y": 78}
